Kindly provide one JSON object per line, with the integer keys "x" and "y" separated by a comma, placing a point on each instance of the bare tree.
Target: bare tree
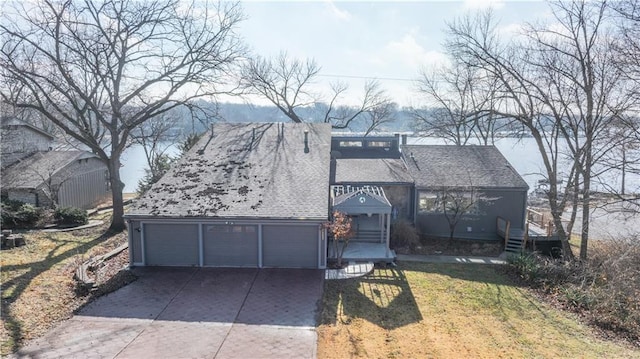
{"x": 461, "y": 98}
{"x": 287, "y": 83}
{"x": 100, "y": 69}
{"x": 459, "y": 202}
{"x": 559, "y": 82}
{"x": 341, "y": 230}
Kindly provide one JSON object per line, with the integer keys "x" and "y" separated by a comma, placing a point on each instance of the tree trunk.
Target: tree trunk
{"x": 117, "y": 221}
{"x": 586, "y": 209}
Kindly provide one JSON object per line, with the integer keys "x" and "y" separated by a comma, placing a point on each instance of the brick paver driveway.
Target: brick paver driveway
{"x": 195, "y": 313}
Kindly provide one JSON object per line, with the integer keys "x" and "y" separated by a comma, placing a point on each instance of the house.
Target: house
{"x": 468, "y": 171}
{"x": 20, "y": 139}
{"x": 260, "y": 194}
{"x": 246, "y": 195}
{"x": 36, "y": 175}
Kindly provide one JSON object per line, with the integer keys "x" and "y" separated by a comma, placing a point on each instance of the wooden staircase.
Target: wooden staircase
{"x": 515, "y": 240}
{"x": 514, "y": 245}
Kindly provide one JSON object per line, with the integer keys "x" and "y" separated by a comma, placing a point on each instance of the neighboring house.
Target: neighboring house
{"x": 34, "y": 174}
{"x": 438, "y": 170}
{"x": 246, "y": 195}
{"x": 70, "y": 178}
{"x": 20, "y": 139}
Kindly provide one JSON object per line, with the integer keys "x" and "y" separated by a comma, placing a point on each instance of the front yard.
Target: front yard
{"x": 38, "y": 289}
{"x": 449, "y": 311}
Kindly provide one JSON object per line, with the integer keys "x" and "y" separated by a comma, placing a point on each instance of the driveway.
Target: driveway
{"x": 195, "y": 313}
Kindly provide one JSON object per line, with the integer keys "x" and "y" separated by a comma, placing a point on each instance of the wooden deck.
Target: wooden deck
{"x": 518, "y": 239}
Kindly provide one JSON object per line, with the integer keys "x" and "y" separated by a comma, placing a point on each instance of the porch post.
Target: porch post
{"x": 388, "y": 232}
{"x": 381, "y": 226}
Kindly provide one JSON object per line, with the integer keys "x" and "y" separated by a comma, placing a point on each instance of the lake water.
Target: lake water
{"x": 521, "y": 153}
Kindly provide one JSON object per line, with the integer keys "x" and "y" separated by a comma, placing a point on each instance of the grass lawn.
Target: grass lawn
{"x": 423, "y": 310}
{"x": 37, "y": 280}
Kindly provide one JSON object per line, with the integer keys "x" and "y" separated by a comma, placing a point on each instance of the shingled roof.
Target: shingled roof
{"x": 247, "y": 171}
{"x": 32, "y": 171}
{"x": 457, "y": 166}
{"x": 374, "y": 170}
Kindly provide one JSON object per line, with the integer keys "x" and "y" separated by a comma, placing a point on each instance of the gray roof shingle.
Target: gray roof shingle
{"x": 255, "y": 170}
{"x": 459, "y": 166}
{"x": 374, "y": 170}
{"x": 31, "y": 172}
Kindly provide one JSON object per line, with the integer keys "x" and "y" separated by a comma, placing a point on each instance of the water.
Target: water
{"x": 521, "y": 153}
{"x": 134, "y": 163}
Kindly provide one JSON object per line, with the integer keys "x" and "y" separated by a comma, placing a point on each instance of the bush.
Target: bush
{"x": 403, "y": 234}
{"x": 16, "y": 214}
{"x": 604, "y": 288}
{"x": 71, "y": 216}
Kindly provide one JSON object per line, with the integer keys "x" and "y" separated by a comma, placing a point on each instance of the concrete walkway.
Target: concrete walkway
{"x": 452, "y": 259}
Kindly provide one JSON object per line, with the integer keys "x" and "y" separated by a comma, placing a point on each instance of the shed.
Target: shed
{"x": 72, "y": 178}
{"x": 246, "y": 195}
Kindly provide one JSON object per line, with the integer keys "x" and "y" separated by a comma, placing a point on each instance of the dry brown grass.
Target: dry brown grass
{"x": 421, "y": 310}
{"x": 38, "y": 289}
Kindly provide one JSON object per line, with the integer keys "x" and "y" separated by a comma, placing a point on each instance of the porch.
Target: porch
{"x": 370, "y": 213}
{"x": 365, "y": 252}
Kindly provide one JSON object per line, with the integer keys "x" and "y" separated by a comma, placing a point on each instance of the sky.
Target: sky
{"x": 354, "y": 41}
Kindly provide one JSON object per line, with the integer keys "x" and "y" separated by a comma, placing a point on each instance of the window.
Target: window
{"x": 350, "y": 143}
{"x": 455, "y": 201}
{"x": 429, "y": 202}
{"x": 379, "y": 144}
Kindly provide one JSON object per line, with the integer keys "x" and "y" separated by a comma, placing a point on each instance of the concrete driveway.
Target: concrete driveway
{"x": 195, "y": 313}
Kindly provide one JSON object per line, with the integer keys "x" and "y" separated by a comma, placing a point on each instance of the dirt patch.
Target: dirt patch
{"x": 455, "y": 247}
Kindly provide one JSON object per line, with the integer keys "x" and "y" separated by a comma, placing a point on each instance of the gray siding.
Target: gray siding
{"x": 400, "y": 199}
{"x": 20, "y": 141}
{"x": 136, "y": 241}
{"x": 508, "y": 204}
{"x": 85, "y": 184}
{"x": 171, "y": 244}
{"x": 231, "y": 245}
{"x": 290, "y": 246}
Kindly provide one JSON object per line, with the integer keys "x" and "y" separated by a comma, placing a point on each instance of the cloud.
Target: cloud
{"x": 338, "y": 13}
{"x": 408, "y": 52}
{"x": 482, "y": 4}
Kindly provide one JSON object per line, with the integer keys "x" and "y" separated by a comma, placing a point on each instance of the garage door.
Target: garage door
{"x": 231, "y": 245}
{"x": 171, "y": 244}
{"x": 290, "y": 246}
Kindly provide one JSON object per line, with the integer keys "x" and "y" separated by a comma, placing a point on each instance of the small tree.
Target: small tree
{"x": 341, "y": 230}
{"x": 458, "y": 202}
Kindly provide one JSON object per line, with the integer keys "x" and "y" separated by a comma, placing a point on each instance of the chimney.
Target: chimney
{"x": 404, "y": 139}
{"x": 306, "y": 141}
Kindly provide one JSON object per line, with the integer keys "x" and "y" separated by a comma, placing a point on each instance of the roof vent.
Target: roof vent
{"x": 306, "y": 141}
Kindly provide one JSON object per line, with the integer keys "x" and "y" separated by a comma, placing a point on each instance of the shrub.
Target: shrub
{"x": 403, "y": 234}
{"x": 604, "y": 288}
{"x": 71, "y": 216}
{"x": 16, "y": 214}
{"x": 526, "y": 266}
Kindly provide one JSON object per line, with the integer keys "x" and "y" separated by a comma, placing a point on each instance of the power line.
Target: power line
{"x": 367, "y": 77}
